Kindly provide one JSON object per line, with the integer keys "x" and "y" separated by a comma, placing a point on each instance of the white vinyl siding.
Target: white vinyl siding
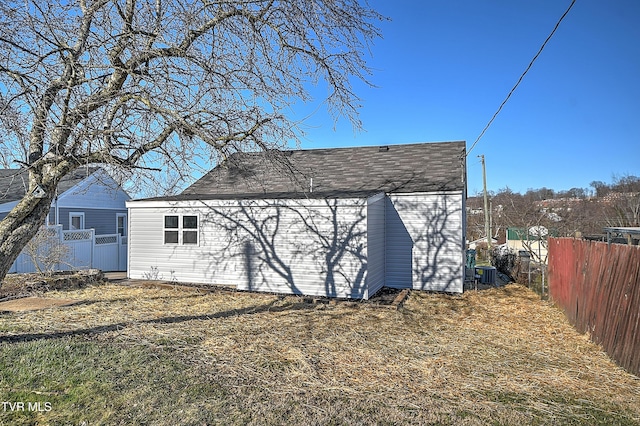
{"x": 425, "y": 241}
{"x": 398, "y": 249}
{"x": 334, "y": 247}
{"x": 311, "y": 247}
{"x": 376, "y": 243}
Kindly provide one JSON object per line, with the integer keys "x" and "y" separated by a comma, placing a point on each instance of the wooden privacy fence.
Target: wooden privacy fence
{"x": 598, "y": 287}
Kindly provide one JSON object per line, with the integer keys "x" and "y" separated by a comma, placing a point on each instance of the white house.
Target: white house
{"x": 340, "y": 222}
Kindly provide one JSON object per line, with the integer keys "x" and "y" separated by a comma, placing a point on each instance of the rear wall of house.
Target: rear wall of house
{"x": 311, "y": 247}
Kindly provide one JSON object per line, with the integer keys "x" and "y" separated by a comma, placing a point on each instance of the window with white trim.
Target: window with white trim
{"x": 76, "y": 220}
{"x": 181, "y": 229}
{"x": 121, "y": 224}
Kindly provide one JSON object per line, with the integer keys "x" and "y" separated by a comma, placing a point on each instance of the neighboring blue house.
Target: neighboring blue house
{"x": 88, "y": 198}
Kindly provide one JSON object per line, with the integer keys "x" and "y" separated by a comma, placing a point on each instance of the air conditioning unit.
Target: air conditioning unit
{"x": 486, "y": 275}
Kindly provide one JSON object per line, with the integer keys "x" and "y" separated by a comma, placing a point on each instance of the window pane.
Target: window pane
{"x": 76, "y": 222}
{"x": 121, "y": 226}
{"x": 189, "y": 237}
{"x": 171, "y": 221}
{"x": 190, "y": 222}
{"x": 171, "y": 237}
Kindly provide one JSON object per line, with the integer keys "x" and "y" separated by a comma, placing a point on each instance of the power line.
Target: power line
{"x": 522, "y": 76}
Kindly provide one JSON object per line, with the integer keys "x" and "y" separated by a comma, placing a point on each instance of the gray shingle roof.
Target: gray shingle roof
{"x": 15, "y": 182}
{"x": 335, "y": 172}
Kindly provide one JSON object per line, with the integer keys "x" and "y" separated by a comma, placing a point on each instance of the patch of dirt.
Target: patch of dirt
{"x": 386, "y": 295}
{"x": 33, "y": 303}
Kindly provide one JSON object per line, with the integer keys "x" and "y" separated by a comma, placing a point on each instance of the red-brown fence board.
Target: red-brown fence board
{"x": 598, "y": 287}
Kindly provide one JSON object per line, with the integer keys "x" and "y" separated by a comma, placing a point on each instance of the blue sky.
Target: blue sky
{"x": 443, "y": 68}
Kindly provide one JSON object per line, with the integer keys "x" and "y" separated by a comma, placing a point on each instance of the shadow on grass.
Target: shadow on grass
{"x": 134, "y": 299}
{"x": 251, "y": 310}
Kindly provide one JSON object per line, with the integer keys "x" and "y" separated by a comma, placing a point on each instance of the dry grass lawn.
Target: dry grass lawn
{"x": 130, "y": 355}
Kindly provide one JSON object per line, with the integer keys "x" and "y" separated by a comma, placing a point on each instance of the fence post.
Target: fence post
{"x": 93, "y": 245}
{"x": 58, "y": 229}
{"x": 119, "y": 245}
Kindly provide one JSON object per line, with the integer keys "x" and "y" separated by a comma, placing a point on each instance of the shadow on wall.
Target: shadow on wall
{"x": 319, "y": 247}
{"x": 424, "y": 241}
{"x": 294, "y": 248}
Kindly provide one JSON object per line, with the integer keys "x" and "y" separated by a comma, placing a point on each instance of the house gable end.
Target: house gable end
{"x": 97, "y": 191}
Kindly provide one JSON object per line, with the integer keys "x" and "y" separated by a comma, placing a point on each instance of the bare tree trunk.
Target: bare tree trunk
{"x": 166, "y": 86}
{"x": 20, "y": 226}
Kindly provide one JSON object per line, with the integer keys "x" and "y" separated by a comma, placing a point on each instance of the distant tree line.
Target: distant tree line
{"x": 577, "y": 211}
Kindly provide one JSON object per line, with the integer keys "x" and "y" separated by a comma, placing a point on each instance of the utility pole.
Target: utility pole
{"x": 487, "y": 226}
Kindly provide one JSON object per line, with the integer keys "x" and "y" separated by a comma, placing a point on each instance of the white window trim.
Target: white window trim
{"x": 126, "y": 230}
{"x": 180, "y": 229}
{"x": 76, "y": 214}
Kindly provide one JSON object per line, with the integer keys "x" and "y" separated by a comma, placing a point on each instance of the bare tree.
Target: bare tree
{"x": 528, "y": 214}
{"x": 141, "y": 85}
{"x": 46, "y": 251}
{"x": 623, "y": 206}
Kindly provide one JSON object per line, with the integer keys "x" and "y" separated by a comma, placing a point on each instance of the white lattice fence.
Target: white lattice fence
{"x": 122, "y": 254}
{"x": 80, "y": 244}
{"x": 84, "y": 250}
{"x": 106, "y": 251}
{"x": 45, "y": 240}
